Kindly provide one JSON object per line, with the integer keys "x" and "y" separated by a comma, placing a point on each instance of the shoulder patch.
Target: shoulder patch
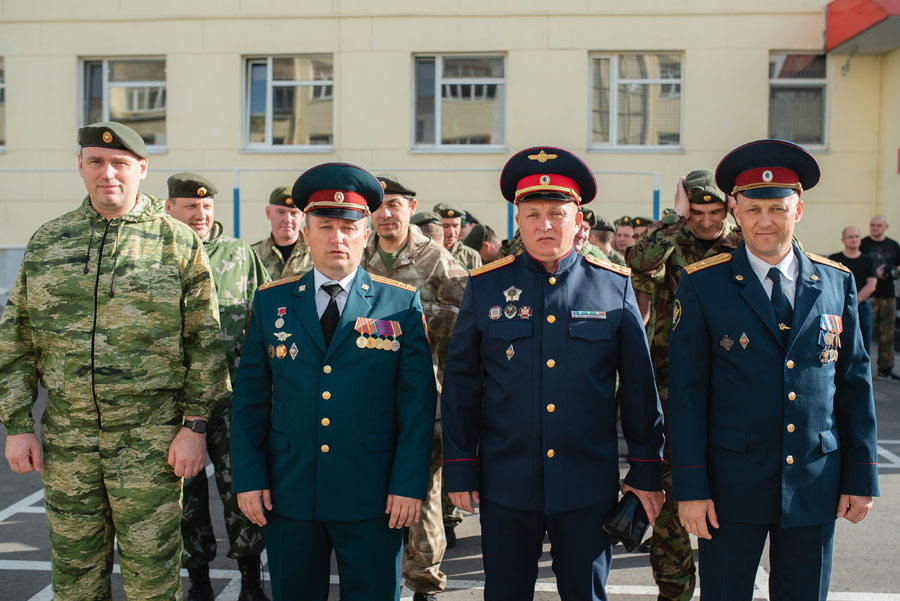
{"x": 825, "y": 261}
{"x": 287, "y": 280}
{"x": 714, "y": 260}
{"x": 390, "y": 282}
{"x": 620, "y": 269}
{"x": 493, "y": 265}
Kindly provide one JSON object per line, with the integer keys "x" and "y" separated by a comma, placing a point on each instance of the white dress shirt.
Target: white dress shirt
{"x": 323, "y": 297}
{"x": 789, "y": 268}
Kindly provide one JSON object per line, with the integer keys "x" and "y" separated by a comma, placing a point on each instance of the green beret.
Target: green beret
{"x": 469, "y": 218}
{"x": 421, "y": 219}
{"x": 445, "y": 209}
{"x": 641, "y": 221}
{"x": 281, "y": 196}
{"x": 190, "y": 185}
{"x": 476, "y": 236}
{"x": 112, "y": 134}
{"x": 701, "y": 187}
{"x": 603, "y": 225}
{"x": 392, "y": 186}
{"x": 589, "y": 217}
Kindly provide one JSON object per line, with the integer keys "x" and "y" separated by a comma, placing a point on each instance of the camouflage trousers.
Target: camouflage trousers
{"x": 883, "y": 315}
{"x": 106, "y": 486}
{"x": 423, "y": 554}
{"x": 671, "y": 557}
{"x": 245, "y": 539}
{"x": 453, "y": 517}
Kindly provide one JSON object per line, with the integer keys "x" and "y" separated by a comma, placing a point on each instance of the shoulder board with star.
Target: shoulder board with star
{"x": 493, "y": 265}
{"x": 390, "y": 282}
{"x": 620, "y": 269}
{"x": 288, "y": 280}
{"x": 825, "y": 261}
{"x": 714, "y": 260}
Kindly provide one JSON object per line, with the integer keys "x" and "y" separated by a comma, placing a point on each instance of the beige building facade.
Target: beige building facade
{"x": 439, "y": 94}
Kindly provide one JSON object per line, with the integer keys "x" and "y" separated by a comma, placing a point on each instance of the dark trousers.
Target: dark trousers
{"x": 865, "y": 324}
{"x": 511, "y": 544}
{"x": 368, "y": 558}
{"x": 800, "y": 560}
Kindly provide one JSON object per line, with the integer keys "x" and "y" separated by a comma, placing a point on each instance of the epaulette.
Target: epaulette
{"x": 714, "y": 260}
{"x": 390, "y": 282}
{"x": 287, "y": 280}
{"x": 620, "y": 269}
{"x": 829, "y": 262}
{"x": 492, "y": 265}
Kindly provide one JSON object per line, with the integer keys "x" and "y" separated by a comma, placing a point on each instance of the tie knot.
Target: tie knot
{"x": 775, "y": 275}
{"x": 332, "y": 289}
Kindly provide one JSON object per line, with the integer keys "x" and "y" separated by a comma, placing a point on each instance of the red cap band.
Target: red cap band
{"x": 766, "y": 177}
{"x": 337, "y": 199}
{"x": 548, "y": 182}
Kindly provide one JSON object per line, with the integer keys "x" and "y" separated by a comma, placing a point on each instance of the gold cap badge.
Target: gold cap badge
{"x": 288, "y": 201}
{"x": 201, "y": 191}
{"x": 383, "y": 185}
{"x": 542, "y": 157}
{"x": 339, "y": 196}
{"x": 107, "y": 137}
{"x": 451, "y": 213}
{"x": 707, "y": 198}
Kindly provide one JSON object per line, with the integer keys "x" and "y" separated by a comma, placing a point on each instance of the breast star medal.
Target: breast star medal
{"x": 512, "y": 294}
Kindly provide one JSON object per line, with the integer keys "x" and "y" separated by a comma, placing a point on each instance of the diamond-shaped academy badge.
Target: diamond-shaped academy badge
{"x": 510, "y": 352}
{"x": 294, "y": 351}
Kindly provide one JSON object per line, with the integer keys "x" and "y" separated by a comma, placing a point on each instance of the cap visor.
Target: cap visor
{"x": 546, "y": 196}
{"x": 349, "y": 214}
{"x": 768, "y": 192}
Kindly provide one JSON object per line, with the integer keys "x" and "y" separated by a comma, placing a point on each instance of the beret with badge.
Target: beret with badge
{"x": 767, "y": 169}
{"x": 603, "y": 225}
{"x": 641, "y": 222}
{"x": 701, "y": 188}
{"x": 475, "y": 238}
{"x": 445, "y": 209}
{"x": 392, "y": 186}
{"x": 281, "y": 196}
{"x": 425, "y": 218}
{"x": 547, "y": 173}
{"x": 339, "y": 190}
{"x": 112, "y": 134}
{"x": 589, "y": 217}
{"x": 190, "y": 185}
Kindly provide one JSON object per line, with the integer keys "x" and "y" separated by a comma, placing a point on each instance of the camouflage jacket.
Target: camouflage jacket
{"x": 616, "y": 257}
{"x": 237, "y": 273}
{"x": 468, "y": 257}
{"x": 297, "y": 264}
{"x": 656, "y": 261}
{"x": 439, "y": 279}
{"x": 589, "y": 249}
{"x": 117, "y": 318}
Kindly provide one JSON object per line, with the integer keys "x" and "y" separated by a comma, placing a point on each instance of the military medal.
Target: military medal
{"x": 495, "y": 312}
{"x": 510, "y": 311}
{"x": 282, "y": 336}
{"x": 281, "y": 351}
{"x": 510, "y": 352}
{"x": 371, "y": 342}
{"x": 727, "y": 343}
{"x": 279, "y": 322}
{"x": 525, "y": 312}
{"x": 294, "y": 351}
{"x": 512, "y": 294}
{"x": 361, "y": 342}
{"x": 744, "y": 340}
{"x": 271, "y": 352}
{"x": 395, "y": 345}
{"x": 829, "y": 338}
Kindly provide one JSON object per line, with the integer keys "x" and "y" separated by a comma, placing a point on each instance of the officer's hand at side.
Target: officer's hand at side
{"x": 682, "y": 202}
{"x": 403, "y": 511}
{"x": 854, "y": 508}
{"x": 694, "y": 514}
{"x": 465, "y": 500}
{"x": 652, "y": 500}
{"x": 187, "y": 453}
{"x": 252, "y": 502}
{"x": 23, "y": 452}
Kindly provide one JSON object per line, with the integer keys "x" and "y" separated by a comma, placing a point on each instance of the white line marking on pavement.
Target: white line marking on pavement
{"x": 46, "y": 594}
{"x": 21, "y": 506}
{"x": 231, "y": 591}
{"x": 761, "y": 584}
{"x": 889, "y": 442}
{"x": 895, "y": 459}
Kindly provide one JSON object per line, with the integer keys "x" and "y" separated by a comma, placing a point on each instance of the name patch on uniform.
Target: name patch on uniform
{"x": 588, "y": 314}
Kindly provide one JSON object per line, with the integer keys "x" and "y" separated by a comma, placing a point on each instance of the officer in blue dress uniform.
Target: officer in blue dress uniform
{"x": 771, "y": 416}
{"x": 334, "y": 405}
{"x": 528, "y": 404}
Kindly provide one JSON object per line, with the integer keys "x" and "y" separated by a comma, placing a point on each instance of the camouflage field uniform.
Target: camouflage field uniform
{"x": 656, "y": 262}
{"x": 297, "y": 264}
{"x": 590, "y": 250}
{"x": 119, "y": 321}
{"x": 616, "y": 257}
{"x": 468, "y": 257}
{"x": 441, "y": 282}
{"x": 237, "y": 273}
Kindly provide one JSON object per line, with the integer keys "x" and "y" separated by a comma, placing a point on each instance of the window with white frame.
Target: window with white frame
{"x": 2, "y": 106}
{"x": 636, "y": 100}
{"x": 129, "y": 90}
{"x": 460, "y": 101}
{"x": 797, "y": 85}
{"x": 290, "y": 102}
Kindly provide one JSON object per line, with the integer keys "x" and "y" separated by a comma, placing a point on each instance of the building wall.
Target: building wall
{"x": 547, "y": 48}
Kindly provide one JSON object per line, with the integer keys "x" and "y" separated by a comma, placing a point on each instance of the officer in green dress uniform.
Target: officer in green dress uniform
{"x": 336, "y": 378}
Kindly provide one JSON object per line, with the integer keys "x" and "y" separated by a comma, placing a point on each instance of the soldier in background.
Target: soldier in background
{"x": 624, "y": 238}
{"x": 401, "y": 252}
{"x": 114, "y": 312}
{"x": 431, "y": 225}
{"x": 468, "y": 222}
{"x": 601, "y": 236}
{"x": 698, "y": 229}
{"x": 484, "y": 241}
{"x": 237, "y": 273}
{"x": 581, "y": 243}
{"x": 284, "y": 252}
{"x": 452, "y": 220}
{"x": 639, "y": 225}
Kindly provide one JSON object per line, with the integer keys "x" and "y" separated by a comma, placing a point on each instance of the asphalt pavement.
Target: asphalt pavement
{"x": 864, "y": 566}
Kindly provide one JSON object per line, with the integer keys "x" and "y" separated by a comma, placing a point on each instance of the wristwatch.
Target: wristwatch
{"x": 196, "y": 425}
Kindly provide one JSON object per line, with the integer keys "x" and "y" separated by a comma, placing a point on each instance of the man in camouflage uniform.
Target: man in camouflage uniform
{"x": 114, "y": 311}
{"x": 431, "y": 225}
{"x": 452, "y": 221}
{"x": 285, "y": 239}
{"x": 698, "y": 229}
{"x": 601, "y": 236}
{"x": 237, "y": 273}
{"x": 484, "y": 241}
{"x": 581, "y": 243}
{"x": 401, "y": 252}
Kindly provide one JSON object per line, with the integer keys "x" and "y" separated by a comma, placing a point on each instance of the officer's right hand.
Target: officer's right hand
{"x": 694, "y": 515}
{"x": 682, "y": 202}
{"x": 252, "y": 502}
{"x": 465, "y": 500}
{"x": 23, "y": 452}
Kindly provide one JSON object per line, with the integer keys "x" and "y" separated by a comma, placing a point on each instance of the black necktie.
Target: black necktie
{"x": 329, "y": 319}
{"x": 783, "y": 311}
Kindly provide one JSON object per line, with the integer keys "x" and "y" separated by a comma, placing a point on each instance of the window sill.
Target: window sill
{"x": 636, "y": 149}
{"x": 288, "y": 150}
{"x": 459, "y": 149}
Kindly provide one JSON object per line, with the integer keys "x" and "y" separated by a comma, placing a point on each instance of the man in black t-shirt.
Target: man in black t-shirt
{"x": 863, "y": 268}
{"x": 885, "y": 252}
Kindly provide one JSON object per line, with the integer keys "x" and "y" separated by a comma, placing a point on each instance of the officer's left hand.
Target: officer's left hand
{"x": 682, "y": 204}
{"x": 403, "y": 511}
{"x": 187, "y": 453}
{"x": 652, "y": 500}
{"x": 854, "y": 508}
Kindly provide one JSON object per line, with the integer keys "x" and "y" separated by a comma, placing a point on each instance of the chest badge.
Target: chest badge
{"x": 510, "y": 352}
{"x": 525, "y": 312}
{"x": 512, "y": 294}
{"x": 271, "y": 352}
{"x": 279, "y": 321}
{"x": 510, "y": 311}
{"x": 282, "y": 336}
{"x": 727, "y": 342}
{"x": 294, "y": 351}
{"x": 495, "y": 312}
{"x": 744, "y": 340}
{"x": 281, "y": 351}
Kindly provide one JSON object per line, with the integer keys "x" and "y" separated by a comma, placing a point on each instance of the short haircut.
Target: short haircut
{"x": 603, "y": 236}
